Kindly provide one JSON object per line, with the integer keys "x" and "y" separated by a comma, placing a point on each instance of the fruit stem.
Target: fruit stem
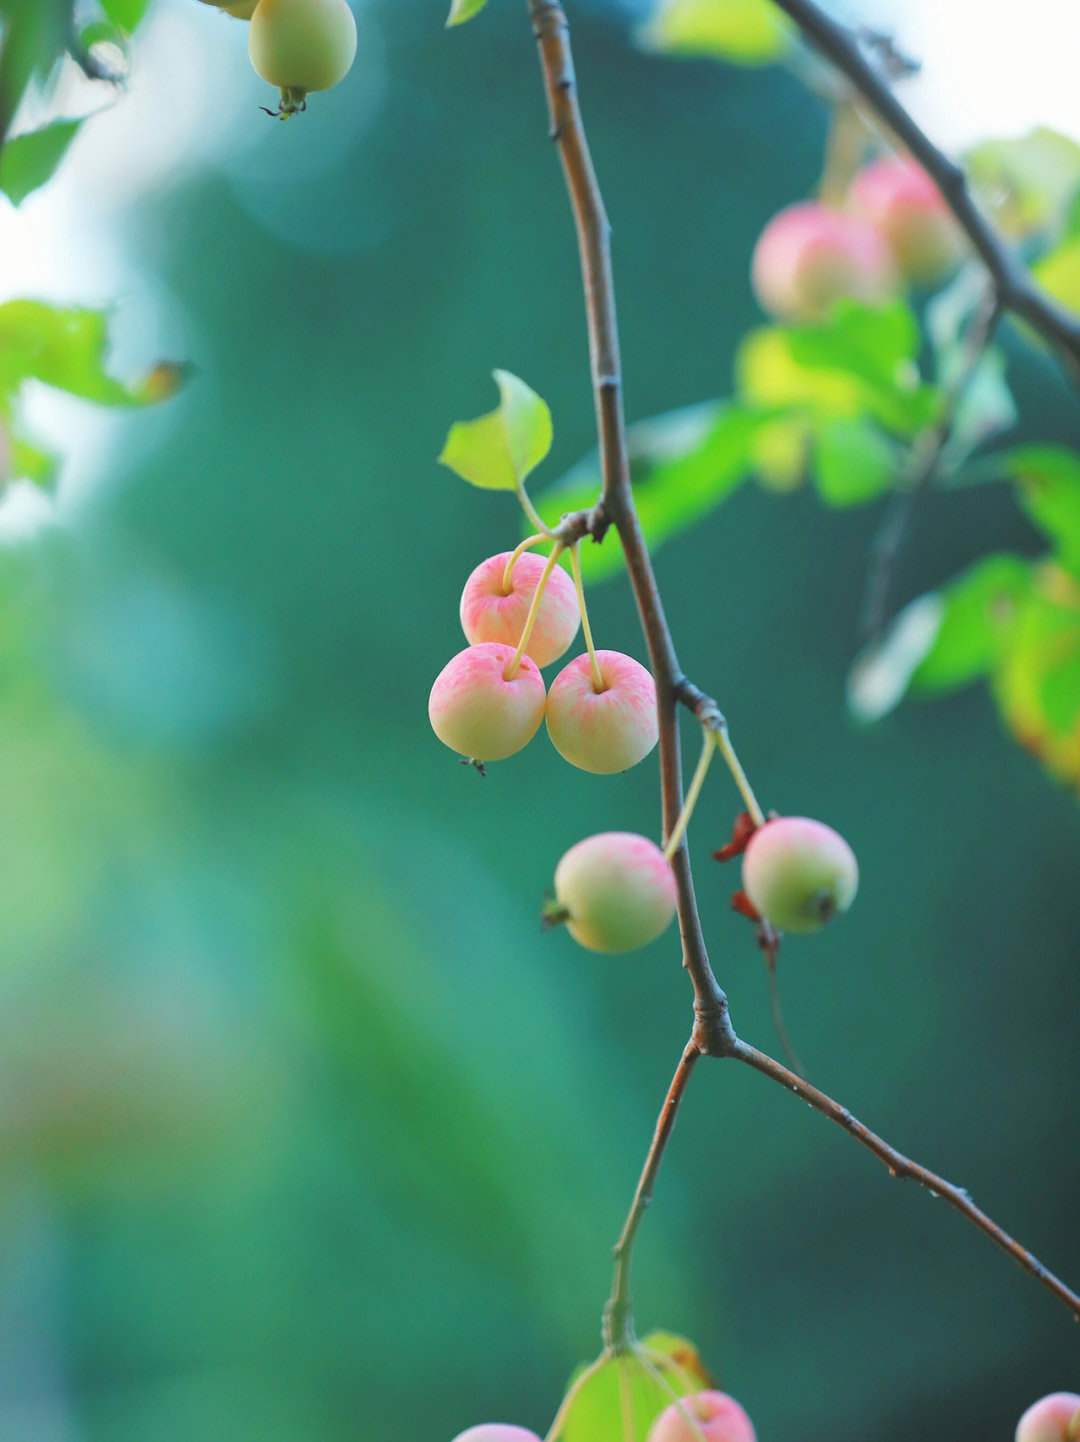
{"x": 530, "y": 510}
{"x": 575, "y": 564}
{"x": 530, "y": 619}
{"x": 708, "y": 750}
{"x": 723, "y": 741}
{"x": 508, "y": 573}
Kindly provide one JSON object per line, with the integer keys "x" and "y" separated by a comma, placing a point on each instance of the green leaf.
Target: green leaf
{"x": 1036, "y": 683}
{"x": 124, "y": 14}
{"x": 66, "y": 348}
{"x": 744, "y": 32}
{"x": 862, "y": 359}
{"x": 28, "y": 161}
{"x": 980, "y": 607}
{"x": 1058, "y": 272}
{"x": 620, "y": 1397}
{"x": 33, "y": 37}
{"x": 854, "y": 461}
{"x": 682, "y": 465}
{"x": 1027, "y": 183}
{"x": 497, "y": 451}
{"x": 1048, "y": 487}
{"x": 462, "y": 10}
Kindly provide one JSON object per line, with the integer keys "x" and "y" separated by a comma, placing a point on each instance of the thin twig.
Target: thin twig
{"x": 901, "y": 1166}
{"x": 1015, "y": 288}
{"x": 618, "y": 1315}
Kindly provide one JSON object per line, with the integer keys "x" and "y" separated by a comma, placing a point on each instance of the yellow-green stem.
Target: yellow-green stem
{"x": 530, "y": 510}
{"x": 530, "y": 619}
{"x": 708, "y": 750}
{"x": 508, "y": 573}
{"x": 575, "y": 563}
{"x": 723, "y": 741}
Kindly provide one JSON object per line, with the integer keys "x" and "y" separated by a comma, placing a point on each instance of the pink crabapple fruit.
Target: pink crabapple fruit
{"x": 496, "y": 1432}
{"x": 477, "y": 712}
{"x": 488, "y": 613}
{"x": 719, "y": 1419}
{"x": 301, "y": 45}
{"x": 1055, "y": 1418}
{"x": 897, "y": 196}
{"x": 810, "y": 255}
{"x": 798, "y": 873}
{"x": 614, "y": 891}
{"x": 603, "y": 731}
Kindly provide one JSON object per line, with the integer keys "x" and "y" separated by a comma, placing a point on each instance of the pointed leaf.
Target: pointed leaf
{"x": 497, "y": 451}
{"x": 462, "y": 10}
{"x": 27, "y": 161}
{"x": 744, "y": 32}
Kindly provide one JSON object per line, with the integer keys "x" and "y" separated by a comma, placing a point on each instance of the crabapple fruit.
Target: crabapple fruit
{"x": 496, "y": 1432}
{"x": 615, "y": 891}
{"x": 810, "y": 255}
{"x": 488, "y": 613}
{"x": 799, "y": 872}
{"x": 1055, "y": 1418}
{"x": 719, "y": 1419}
{"x": 603, "y": 731}
{"x": 476, "y": 711}
{"x": 301, "y": 45}
{"x": 897, "y": 196}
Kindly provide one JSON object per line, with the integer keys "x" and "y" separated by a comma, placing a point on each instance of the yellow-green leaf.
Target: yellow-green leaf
{"x": 462, "y": 10}
{"x": 745, "y": 32}
{"x": 66, "y": 348}
{"x": 620, "y": 1397}
{"x": 1059, "y": 273}
{"x": 497, "y": 451}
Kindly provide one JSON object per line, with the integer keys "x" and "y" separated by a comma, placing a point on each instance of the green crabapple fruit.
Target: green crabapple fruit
{"x": 477, "y": 712}
{"x": 810, "y": 255}
{"x": 897, "y": 196}
{"x": 603, "y": 731}
{"x": 798, "y": 873}
{"x": 615, "y": 891}
{"x": 719, "y": 1419}
{"x": 301, "y": 45}
{"x": 488, "y": 613}
{"x": 496, "y": 1432}
{"x": 1055, "y": 1418}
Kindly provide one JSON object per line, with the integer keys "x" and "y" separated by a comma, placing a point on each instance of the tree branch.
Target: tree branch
{"x": 616, "y": 502}
{"x": 1016, "y": 290}
{"x": 900, "y": 1166}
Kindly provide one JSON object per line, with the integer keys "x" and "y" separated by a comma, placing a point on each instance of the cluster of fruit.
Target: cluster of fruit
{"x": 614, "y": 891}
{"x": 297, "y": 45}
{"x": 892, "y": 229}
{"x": 705, "y": 1417}
{"x": 716, "y": 1417}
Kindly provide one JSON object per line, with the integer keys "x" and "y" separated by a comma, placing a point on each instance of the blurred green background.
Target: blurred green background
{"x": 307, "y": 1131}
